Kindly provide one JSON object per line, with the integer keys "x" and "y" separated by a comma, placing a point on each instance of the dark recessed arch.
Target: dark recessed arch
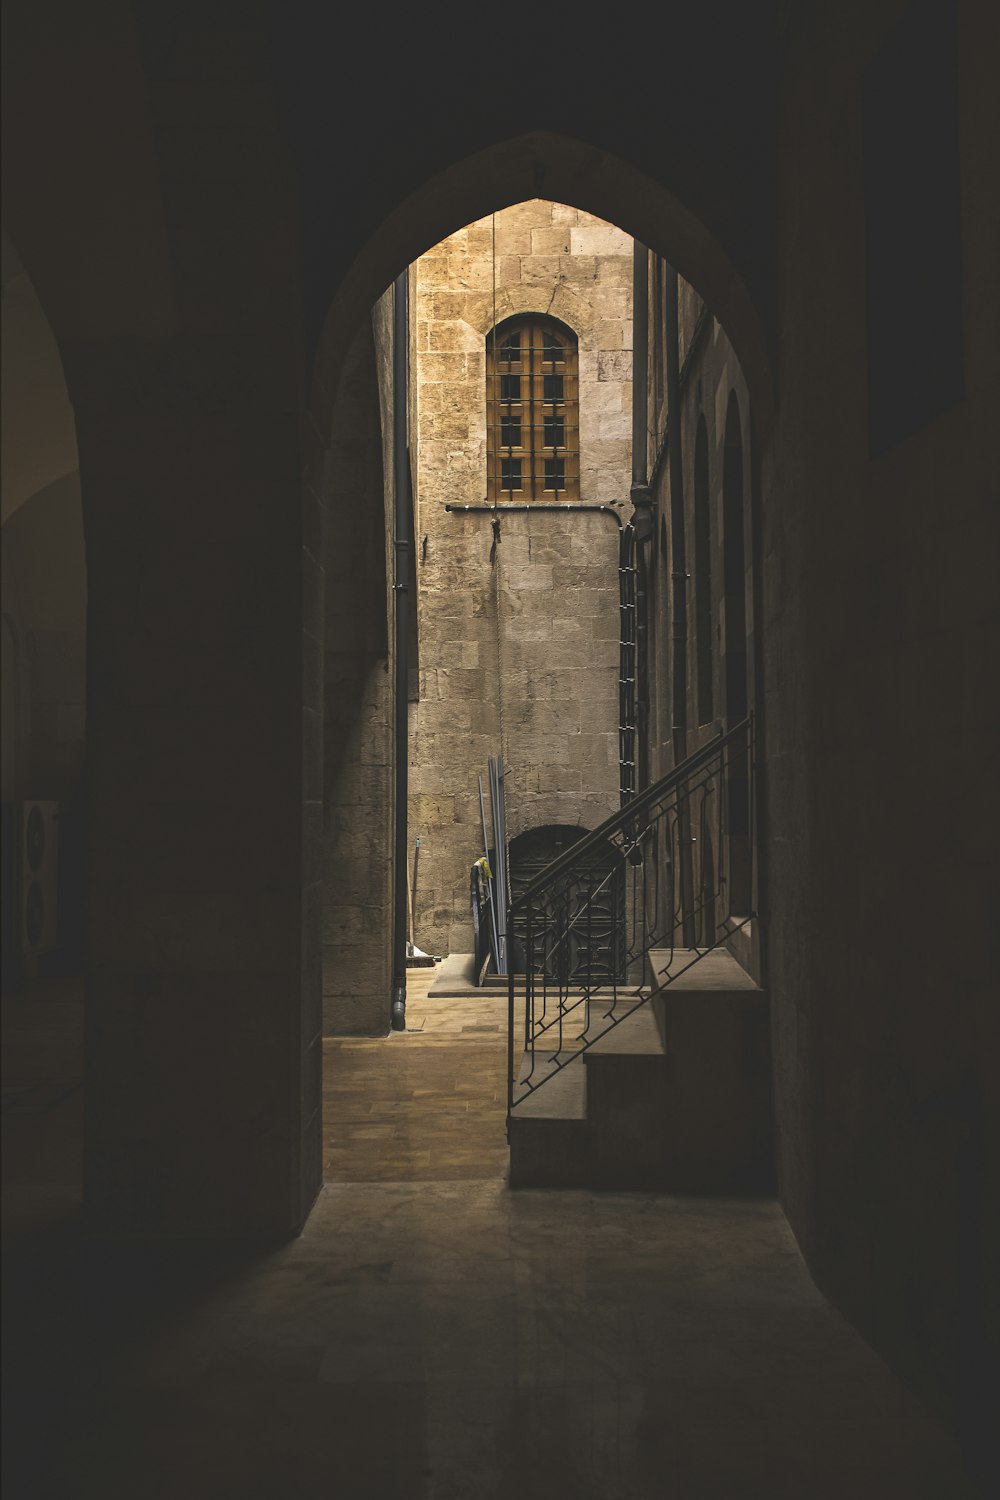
{"x": 593, "y": 954}
{"x": 703, "y": 575}
{"x": 734, "y": 564}
{"x": 734, "y": 639}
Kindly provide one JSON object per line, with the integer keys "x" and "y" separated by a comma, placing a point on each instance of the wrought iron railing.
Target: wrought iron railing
{"x": 674, "y": 868}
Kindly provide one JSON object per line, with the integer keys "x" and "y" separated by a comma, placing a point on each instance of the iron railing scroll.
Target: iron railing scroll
{"x": 674, "y": 868}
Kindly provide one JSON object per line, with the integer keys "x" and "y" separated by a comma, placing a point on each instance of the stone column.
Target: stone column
{"x": 204, "y": 772}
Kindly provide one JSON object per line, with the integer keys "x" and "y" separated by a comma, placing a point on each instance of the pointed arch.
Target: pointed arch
{"x": 571, "y": 171}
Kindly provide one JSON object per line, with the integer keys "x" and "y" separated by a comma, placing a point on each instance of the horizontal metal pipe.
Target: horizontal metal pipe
{"x": 508, "y": 505}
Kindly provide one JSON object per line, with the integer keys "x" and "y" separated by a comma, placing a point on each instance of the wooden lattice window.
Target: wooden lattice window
{"x": 532, "y": 411}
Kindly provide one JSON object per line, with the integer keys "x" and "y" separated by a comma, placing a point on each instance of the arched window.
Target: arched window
{"x": 532, "y": 411}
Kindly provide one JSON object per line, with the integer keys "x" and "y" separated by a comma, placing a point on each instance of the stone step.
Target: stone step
{"x": 673, "y": 973}
{"x": 635, "y": 1035}
{"x": 549, "y": 1130}
{"x": 675, "y": 1097}
{"x": 715, "y": 970}
{"x": 563, "y": 1089}
{"x": 714, "y": 1021}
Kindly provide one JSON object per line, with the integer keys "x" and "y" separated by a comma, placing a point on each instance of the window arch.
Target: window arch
{"x": 532, "y": 411}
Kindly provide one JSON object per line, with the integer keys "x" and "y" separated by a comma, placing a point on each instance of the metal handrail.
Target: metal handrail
{"x": 629, "y": 813}
{"x": 661, "y": 908}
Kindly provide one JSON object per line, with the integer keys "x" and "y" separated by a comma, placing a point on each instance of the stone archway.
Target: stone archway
{"x": 154, "y": 174}
{"x": 564, "y": 170}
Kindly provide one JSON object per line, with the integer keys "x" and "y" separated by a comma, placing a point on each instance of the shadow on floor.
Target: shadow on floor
{"x": 439, "y": 1338}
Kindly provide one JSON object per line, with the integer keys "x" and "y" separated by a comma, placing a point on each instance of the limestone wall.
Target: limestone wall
{"x": 718, "y": 580}
{"x": 358, "y": 692}
{"x": 550, "y": 585}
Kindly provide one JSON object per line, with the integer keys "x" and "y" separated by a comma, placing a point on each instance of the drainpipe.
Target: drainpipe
{"x": 401, "y": 590}
{"x": 641, "y": 497}
{"x": 639, "y": 494}
{"x": 678, "y": 576}
{"x": 534, "y": 506}
{"x": 678, "y": 564}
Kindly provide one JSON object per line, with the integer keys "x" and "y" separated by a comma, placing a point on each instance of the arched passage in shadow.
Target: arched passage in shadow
{"x": 565, "y": 170}
{"x": 91, "y": 182}
{"x": 578, "y": 176}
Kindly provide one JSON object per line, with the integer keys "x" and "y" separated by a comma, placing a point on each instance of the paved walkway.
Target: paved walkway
{"x": 434, "y": 1336}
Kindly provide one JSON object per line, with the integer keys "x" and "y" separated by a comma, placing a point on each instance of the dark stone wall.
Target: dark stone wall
{"x": 877, "y": 594}
{"x": 45, "y": 596}
{"x": 358, "y": 694}
{"x": 155, "y": 206}
{"x": 713, "y": 399}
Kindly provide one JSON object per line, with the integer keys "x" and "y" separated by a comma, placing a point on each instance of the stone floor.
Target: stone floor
{"x": 431, "y": 1335}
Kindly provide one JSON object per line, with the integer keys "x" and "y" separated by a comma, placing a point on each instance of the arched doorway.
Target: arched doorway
{"x": 590, "y": 952}
{"x": 206, "y": 606}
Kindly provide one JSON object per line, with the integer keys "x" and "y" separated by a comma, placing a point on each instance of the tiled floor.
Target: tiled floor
{"x": 432, "y": 1334}
{"x": 425, "y": 1104}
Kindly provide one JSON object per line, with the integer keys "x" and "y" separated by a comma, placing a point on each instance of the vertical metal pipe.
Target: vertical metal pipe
{"x": 640, "y": 361}
{"x": 642, "y": 505}
{"x": 510, "y": 1041}
{"x": 401, "y": 591}
{"x": 531, "y": 983}
{"x": 678, "y": 563}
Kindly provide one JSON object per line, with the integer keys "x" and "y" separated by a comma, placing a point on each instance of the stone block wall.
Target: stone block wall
{"x": 44, "y": 595}
{"x": 45, "y": 600}
{"x": 547, "y": 591}
{"x": 710, "y": 376}
{"x": 358, "y": 694}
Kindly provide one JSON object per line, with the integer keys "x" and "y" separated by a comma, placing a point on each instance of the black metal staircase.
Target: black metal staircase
{"x": 677, "y": 865}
